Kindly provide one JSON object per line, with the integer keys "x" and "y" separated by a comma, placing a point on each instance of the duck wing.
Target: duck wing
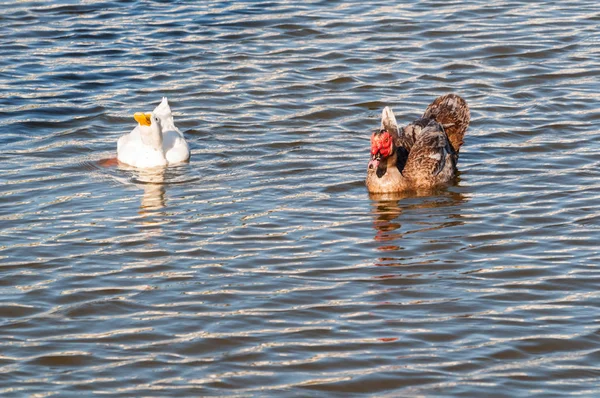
{"x": 175, "y": 147}
{"x": 431, "y": 159}
{"x": 406, "y": 139}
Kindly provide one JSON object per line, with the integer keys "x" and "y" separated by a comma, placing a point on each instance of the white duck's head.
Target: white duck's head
{"x": 150, "y": 129}
{"x": 163, "y": 110}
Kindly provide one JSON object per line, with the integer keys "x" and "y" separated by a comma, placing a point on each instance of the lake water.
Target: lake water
{"x": 263, "y": 267}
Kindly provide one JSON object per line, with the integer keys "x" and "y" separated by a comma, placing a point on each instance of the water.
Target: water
{"x": 263, "y": 267}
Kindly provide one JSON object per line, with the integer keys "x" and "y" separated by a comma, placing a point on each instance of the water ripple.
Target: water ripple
{"x": 263, "y": 267}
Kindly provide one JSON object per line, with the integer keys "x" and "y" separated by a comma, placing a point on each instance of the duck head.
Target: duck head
{"x": 383, "y": 148}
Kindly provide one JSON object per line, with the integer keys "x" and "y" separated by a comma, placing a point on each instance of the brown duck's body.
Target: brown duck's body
{"x": 421, "y": 155}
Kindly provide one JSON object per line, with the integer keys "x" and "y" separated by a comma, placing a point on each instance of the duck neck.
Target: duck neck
{"x": 152, "y": 137}
{"x": 387, "y": 177}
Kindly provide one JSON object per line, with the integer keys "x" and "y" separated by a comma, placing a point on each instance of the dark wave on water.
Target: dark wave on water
{"x": 263, "y": 267}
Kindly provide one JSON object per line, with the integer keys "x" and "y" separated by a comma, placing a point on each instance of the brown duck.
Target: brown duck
{"x": 421, "y": 155}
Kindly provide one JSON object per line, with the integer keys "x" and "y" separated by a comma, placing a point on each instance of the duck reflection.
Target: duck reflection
{"x": 386, "y": 209}
{"x": 153, "y": 183}
{"x": 153, "y": 200}
{"x": 421, "y": 211}
{"x": 151, "y": 180}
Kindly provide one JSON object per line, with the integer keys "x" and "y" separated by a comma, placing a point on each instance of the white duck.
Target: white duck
{"x": 155, "y": 141}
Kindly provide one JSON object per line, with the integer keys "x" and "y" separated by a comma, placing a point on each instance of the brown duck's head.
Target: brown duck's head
{"x": 382, "y": 147}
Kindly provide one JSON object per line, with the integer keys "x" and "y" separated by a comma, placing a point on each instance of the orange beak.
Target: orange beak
{"x": 142, "y": 118}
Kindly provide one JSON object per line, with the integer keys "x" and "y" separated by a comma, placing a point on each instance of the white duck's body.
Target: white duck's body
{"x": 143, "y": 148}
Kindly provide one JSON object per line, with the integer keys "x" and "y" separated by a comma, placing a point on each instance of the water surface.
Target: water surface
{"x": 263, "y": 267}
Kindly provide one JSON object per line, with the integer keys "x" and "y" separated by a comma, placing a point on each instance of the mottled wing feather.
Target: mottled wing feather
{"x": 409, "y": 134}
{"x": 429, "y": 155}
{"x": 406, "y": 139}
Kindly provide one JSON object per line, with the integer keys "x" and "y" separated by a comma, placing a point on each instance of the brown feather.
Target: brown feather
{"x": 452, "y": 112}
{"x": 429, "y": 155}
{"x": 426, "y": 150}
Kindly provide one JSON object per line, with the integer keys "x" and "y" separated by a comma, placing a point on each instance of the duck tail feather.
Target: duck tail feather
{"x": 453, "y": 113}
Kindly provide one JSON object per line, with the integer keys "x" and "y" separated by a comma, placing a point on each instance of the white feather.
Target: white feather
{"x": 388, "y": 119}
